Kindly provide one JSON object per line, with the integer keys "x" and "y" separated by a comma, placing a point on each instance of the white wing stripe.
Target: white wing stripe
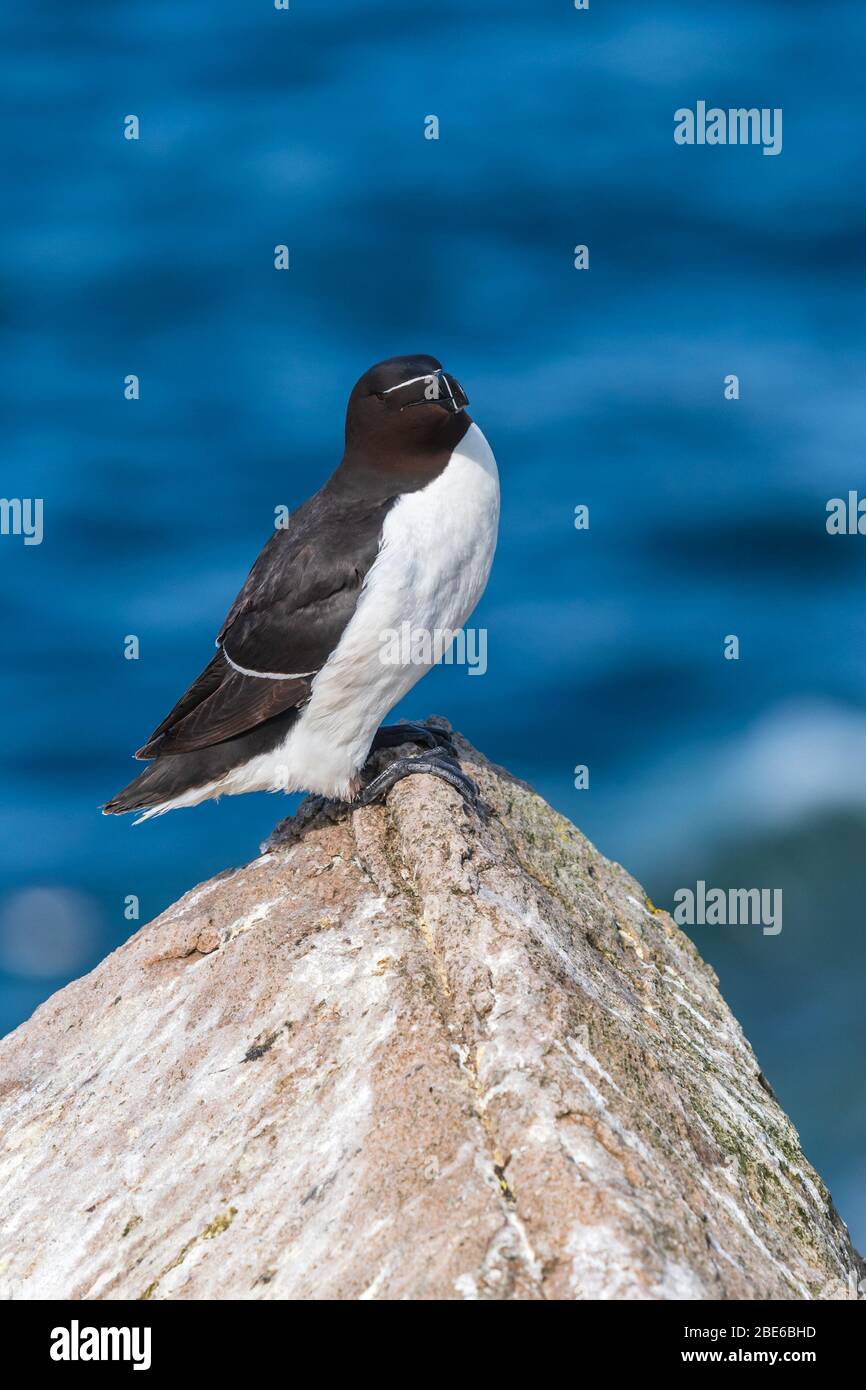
{"x": 266, "y": 675}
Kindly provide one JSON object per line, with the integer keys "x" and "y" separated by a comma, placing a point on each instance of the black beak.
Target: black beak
{"x": 453, "y": 397}
{"x": 436, "y": 388}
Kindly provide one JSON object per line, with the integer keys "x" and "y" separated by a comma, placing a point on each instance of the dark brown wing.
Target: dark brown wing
{"x": 238, "y": 704}
{"x": 210, "y": 680}
{"x": 288, "y": 618}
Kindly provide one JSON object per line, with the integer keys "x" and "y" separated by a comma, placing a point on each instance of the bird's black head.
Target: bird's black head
{"x": 406, "y": 406}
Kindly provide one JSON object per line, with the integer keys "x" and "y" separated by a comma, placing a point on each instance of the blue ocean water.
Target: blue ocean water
{"x": 601, "y": 387}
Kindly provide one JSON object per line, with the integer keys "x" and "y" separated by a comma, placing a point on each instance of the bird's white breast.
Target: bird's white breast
{"x": 432, "y": 566}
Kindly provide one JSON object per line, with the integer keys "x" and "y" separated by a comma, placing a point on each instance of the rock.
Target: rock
{"x": 411, "y": 1052}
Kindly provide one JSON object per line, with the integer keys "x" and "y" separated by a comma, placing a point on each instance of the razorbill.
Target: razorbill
{"x": 403, "y": 531}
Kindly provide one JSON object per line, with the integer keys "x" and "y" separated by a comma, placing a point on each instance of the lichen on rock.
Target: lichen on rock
{"x": 407, "y": 1052}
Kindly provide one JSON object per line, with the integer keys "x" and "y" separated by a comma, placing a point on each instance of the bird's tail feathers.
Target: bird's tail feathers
{"x": 163, "y": 786}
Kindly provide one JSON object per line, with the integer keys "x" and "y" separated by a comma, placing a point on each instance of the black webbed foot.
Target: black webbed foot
{"x": 428, "y": 736}
{"x": 433, "y": 763}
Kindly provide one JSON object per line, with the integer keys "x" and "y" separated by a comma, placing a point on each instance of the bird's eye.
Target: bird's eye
{"x": 380, "y": 395}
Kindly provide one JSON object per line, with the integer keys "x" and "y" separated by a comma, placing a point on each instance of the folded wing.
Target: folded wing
{"x": 286, "y": 621}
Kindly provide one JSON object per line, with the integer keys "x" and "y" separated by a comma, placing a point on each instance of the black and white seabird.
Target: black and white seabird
{"x": 403, "y": 531}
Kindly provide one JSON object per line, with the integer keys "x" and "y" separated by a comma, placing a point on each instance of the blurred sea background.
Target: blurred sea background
{"x": 603, "y": 387}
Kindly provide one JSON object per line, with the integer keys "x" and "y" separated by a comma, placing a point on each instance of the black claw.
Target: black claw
{"x": 433, "y": 764}
{"x": 392, "y": 735}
